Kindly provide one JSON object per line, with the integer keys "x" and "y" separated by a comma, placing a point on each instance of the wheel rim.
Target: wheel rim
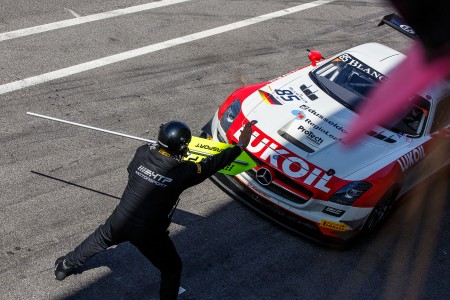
{"x": 379, "y": 212}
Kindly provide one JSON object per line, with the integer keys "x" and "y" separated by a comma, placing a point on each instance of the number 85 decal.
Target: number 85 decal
{"x": 287, "y": 95}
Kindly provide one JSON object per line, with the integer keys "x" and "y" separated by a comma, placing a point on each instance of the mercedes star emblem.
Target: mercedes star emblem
{"x": 264, "y": 176}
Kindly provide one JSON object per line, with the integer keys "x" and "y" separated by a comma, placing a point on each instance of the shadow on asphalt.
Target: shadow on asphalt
{"x": 234, "y": 253}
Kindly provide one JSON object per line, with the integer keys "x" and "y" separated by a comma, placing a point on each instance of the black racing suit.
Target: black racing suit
{"x": 154, "y": 185}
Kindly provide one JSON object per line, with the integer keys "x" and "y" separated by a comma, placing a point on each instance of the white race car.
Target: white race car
{"x": 305, "y": 178}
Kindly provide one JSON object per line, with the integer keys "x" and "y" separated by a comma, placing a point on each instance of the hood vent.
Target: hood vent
{"x": 308, "y": 92}
{"x": 294, "y": 141}
{"x": 381, "y": 137}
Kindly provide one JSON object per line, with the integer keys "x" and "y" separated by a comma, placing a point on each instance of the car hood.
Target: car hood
{"x": 312, "y": 126}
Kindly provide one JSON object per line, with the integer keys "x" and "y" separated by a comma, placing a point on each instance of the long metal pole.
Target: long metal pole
{"x": 91, "y": 127}
{"x": 117, "y": 133}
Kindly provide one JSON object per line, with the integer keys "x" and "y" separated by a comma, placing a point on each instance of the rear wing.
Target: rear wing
{"x": 399, "y": 24}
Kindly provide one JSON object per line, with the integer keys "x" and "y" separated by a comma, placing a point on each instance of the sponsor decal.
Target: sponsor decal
{"x": 350, "y": 60}
{"x": 404, "y": 137}
{"x": 298, "y": 114}
{"x": 287, "y": 95}
{"x": 312, "y": 138}
{"x": 321, "y": 129}
{"x": 411, "y": 158}
{"x": 258, "y": 191}
{"x": 333, "y": 211}
{"x": 315, "y": 113}
{"x": 272, "y": 153}
{"x": 279, "y": 96}
{"x": 333, "y": 225}
{"x": 268, "y": 98}
{"x": 407, "y": 29}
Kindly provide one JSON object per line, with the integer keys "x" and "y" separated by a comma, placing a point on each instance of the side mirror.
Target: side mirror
{"x": 445, "y": 132}
{"x": 314, "y": 56}
{"x": 442, "y": 133}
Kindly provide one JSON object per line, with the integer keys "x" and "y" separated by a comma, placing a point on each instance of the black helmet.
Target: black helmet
{"x": 174, "y": 137}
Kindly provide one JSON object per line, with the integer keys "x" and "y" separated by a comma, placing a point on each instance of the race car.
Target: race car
{"x": 305, "y": 178}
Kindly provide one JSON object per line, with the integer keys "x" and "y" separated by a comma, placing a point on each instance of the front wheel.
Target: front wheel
{"x": 380, "y": 211}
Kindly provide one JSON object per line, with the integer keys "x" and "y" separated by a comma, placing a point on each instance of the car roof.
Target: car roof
{"x": 378, "y": 56}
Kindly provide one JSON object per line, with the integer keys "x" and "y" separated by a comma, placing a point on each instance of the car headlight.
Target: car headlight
{"x": 230, "y": 115}
{"x": 351, "y": 192}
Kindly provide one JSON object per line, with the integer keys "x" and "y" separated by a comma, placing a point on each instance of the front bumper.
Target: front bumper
{"x": 305, "y": 217}
{"x": 282, "y": 217}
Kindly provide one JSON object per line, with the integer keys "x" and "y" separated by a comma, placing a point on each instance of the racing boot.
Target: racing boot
{"x": 62, "y": 270}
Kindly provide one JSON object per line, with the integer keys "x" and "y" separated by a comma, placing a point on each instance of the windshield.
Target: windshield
{"x": 348, "y": 80}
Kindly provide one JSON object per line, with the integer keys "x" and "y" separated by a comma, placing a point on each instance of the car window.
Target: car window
{"x": 412, "y": 123}
{"x": 442, "y": 114}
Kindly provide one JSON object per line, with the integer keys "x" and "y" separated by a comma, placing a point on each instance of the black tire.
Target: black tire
{"x": 380, "y": 211}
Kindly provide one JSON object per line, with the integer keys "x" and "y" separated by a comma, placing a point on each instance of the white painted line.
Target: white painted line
{"x": 81, "y": 20}
{"x": 27, "y": 82}
{"x": 74, "y": 13}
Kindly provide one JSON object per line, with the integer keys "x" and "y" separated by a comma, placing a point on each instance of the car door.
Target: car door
{"x": 430, "y": 152}
{"x": 440, "y": 131}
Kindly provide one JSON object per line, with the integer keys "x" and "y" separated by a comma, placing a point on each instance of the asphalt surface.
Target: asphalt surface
{"x": 59, "y": 182}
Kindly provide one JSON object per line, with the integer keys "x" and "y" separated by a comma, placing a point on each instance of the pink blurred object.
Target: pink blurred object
{"x": 391, "y": 97}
